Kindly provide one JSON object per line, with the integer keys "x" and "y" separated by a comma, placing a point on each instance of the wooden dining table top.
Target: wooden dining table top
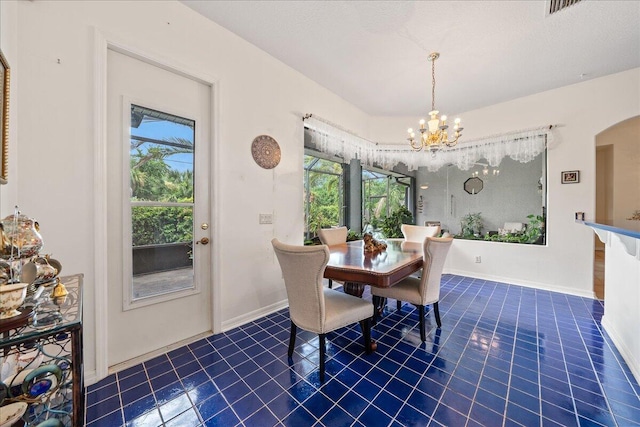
{"x": 349, "y": 263}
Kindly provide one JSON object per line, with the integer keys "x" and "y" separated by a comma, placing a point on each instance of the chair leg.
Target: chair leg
{"x": 376, "y": 304}
{"x": 322, "y": 351}
{"x": 423, "y": 336}
{"x": 330, "y": 284}
{"x": 292, "y": 338}
{"x": 365, "y": 325}
{"x": 398, "y": 305}
{"x": 436, "y": 311}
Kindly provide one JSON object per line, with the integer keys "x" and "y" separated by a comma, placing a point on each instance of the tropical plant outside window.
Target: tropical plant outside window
{"x": 323, "y": 194}
{"x": 161, "y": 159}
{"x": 382, "y": 195}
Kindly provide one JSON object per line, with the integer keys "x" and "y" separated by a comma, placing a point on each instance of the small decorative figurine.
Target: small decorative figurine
{"x": 373, "y": 245}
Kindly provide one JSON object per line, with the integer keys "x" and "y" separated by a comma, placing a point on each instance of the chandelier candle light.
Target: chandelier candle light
{"x": 434, "y": 137}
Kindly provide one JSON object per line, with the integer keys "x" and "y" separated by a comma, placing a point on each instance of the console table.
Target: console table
{"x": 49, "y": 332}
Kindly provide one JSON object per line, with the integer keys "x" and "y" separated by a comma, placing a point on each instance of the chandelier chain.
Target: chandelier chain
{"x": 433, "y": 85}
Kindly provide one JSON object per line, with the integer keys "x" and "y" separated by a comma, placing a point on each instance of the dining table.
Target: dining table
{"x": 349, "y": 263}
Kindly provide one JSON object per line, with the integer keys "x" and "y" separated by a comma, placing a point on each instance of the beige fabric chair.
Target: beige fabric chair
{"x": 417, "y": 233}
{"x": 312, "y": 306}
{"x": 425, "y": 290}
{"x": 332, "y": 236}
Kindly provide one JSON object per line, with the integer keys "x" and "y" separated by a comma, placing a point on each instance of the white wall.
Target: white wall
{"x": 582, "y": 111}
{"x": 53, "y": 175}
{"x": 8, "y": 45}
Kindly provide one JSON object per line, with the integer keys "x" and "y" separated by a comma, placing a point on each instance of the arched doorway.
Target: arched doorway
{"x": 617, "y": 183}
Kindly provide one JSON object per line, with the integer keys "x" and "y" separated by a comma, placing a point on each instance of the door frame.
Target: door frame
{"x": 103, "y": 42}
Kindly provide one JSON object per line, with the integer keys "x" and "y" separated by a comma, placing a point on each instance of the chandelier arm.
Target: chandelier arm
{"x": 416, "y": 147}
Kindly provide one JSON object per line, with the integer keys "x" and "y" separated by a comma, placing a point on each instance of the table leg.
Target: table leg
{"x": 357, "y": 289}
{"x": 353, "y": 288}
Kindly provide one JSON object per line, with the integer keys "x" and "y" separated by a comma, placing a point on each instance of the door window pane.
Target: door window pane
{"x": 161, "y": 156}
{"x": 161, "y": 162}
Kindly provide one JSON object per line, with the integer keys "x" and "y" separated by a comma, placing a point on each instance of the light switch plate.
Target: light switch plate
{"x": 266, "y": 218}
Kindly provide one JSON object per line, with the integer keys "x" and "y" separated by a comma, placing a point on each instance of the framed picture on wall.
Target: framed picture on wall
{"x": 570, "y": 177}
{"x": 4, "y": 118}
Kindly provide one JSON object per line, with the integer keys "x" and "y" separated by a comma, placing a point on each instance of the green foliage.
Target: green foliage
{"x": 471, "y": 225}
{"x": 534, "y": 228}
{"x": 156, "y": 225}
{"x": 324, "y": 198}
{"x": 390, "y": 225}
{"x": 152, "y": 179}
{"x": 353, "y": 235}
{"x": 531, "y": 234}
{"x": 377, "y": 203}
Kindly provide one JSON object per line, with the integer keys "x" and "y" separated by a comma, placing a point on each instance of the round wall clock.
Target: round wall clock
{"x": 265, "y": 151}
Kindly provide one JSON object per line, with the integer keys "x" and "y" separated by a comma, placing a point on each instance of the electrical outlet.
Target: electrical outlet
{"x": 266, "y": 218}
{"x": 478, "y": 259}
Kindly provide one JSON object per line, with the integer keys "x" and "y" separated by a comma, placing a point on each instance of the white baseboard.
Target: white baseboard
{"x": 625, "y": 352}
{"x": 253, "y": 315}
{"x": 90, "y": 377}
{"x": 525, "y": 283}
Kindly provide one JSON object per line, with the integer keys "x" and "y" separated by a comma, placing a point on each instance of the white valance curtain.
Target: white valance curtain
{"x": 522, "y": 146}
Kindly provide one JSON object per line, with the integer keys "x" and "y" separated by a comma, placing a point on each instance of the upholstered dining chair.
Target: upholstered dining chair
{"x": 313, "y": 307}
{"x": 426, "y": 289}
{"x": 332, "y": 236}
{"x": 417, "y": 233}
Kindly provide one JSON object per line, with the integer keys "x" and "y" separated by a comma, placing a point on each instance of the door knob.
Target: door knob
{"x": 204, "y": 241}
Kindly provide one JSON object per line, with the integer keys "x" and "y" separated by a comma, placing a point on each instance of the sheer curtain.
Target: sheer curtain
{"x": 522, "y": 146}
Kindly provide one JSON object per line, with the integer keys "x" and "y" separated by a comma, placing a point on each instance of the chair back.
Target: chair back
{"x": 435, "y": 250}
{"x": 417, "y": 233}
{"x": 333, "y": 236}
{"x": 302, "y": 268}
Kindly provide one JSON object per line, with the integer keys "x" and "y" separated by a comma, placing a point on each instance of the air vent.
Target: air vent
{"x": 558, "y": 5}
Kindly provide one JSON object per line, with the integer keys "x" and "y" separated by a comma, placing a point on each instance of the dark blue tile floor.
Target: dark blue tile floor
{"x": 505, "y": 356}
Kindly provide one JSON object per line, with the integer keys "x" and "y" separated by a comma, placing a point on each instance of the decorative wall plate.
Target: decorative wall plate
{"x": 265, "y": 151}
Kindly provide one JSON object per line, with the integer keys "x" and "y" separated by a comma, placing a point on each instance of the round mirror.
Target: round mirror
{"x": 473, "y": 185}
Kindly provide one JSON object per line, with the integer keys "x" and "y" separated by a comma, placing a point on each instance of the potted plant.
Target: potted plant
{"x": 534, "y": 231}
{"x": 390, "y": 225}
{"x": 471, "y": 225}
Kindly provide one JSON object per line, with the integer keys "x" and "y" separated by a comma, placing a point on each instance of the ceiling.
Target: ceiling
{"x": 374, "y": 53}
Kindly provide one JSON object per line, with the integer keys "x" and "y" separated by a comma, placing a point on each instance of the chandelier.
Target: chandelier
{"x": 485, "y": 171}
{"x": 434, "y": 136}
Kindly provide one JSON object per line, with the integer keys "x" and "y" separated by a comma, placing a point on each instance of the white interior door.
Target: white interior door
{"x": 158, "y": 134}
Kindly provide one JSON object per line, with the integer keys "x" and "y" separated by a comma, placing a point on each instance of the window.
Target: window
{"x": 323, "y": 194}
{"x": 383, "y": 193}
{"x": 161, "y": 158}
